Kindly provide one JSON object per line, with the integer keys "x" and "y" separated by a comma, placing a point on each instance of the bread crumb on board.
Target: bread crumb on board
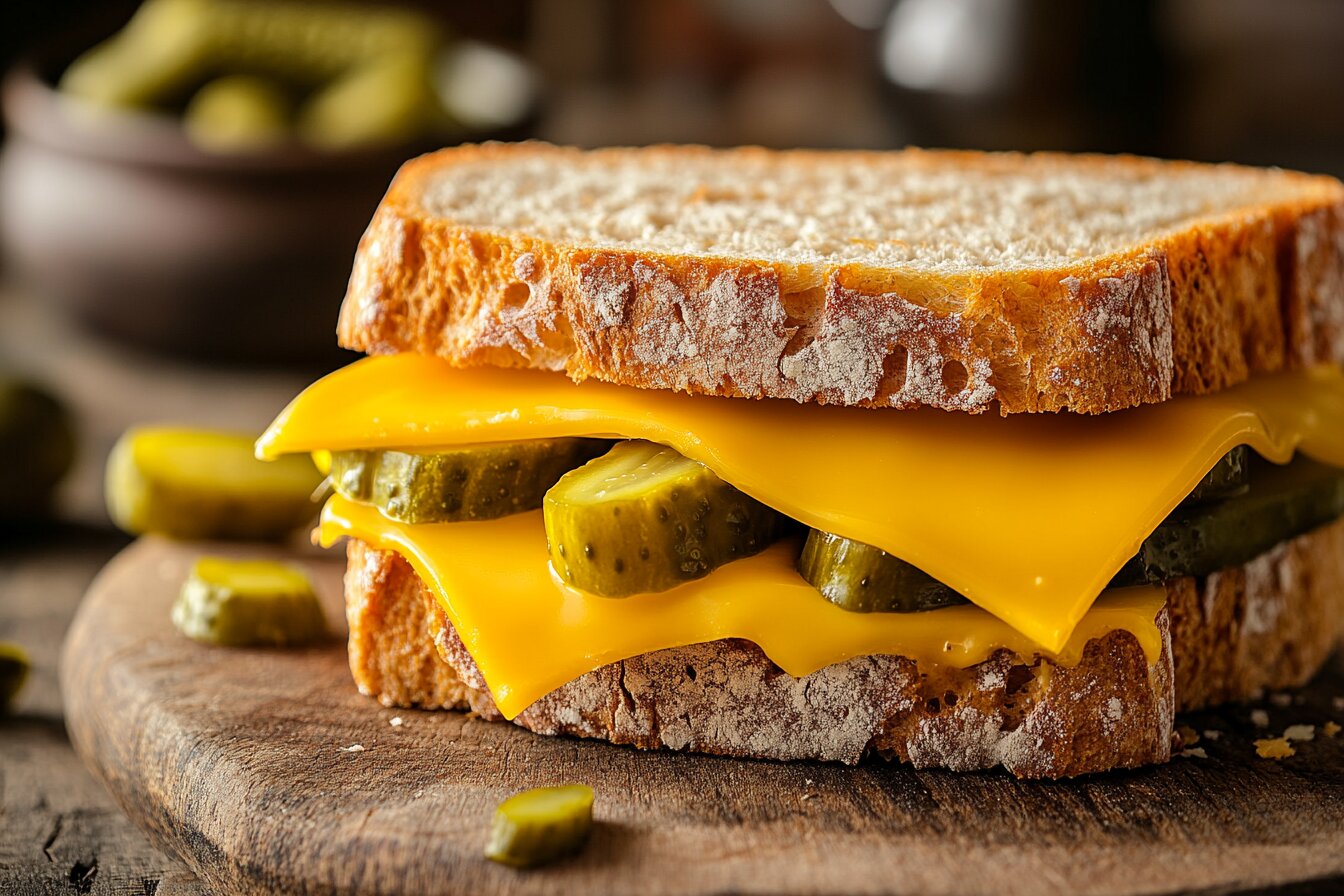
{"x": 1274, "y": 748}
{"x": 1259, "y": 718}
{"x": 1299, "y": 732}
{"x": 353, "y": 748}
{"x": 1330, "y": 729}
{"x": 1189, "y": 736}
{"x": 1193, "y": 753}
{"x": 1212, "y": 734}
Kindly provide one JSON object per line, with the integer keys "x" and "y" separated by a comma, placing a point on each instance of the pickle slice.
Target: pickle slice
{"x": 187, "y": 483}
{"x": 37, "y": 443}
{"x": 1281, "y": 502}
{"x": 1269, "y": 504}
{"x": 14, "y": 666}
{"x": 237, "y": 113}
{"x": 247, "y": 603}
{"x": 644, "y": 518}
{"x": 541, "y": 825}
{"x": 866, "y": 579}
{"x": 1228, "y": 478}
{"x": 473, "y": 482}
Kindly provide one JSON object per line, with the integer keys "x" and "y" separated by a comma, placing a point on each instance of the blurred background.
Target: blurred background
{"x": 182, "y": 182}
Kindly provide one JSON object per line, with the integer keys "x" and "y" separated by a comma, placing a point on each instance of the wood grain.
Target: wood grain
{"x": 236, "y": 760}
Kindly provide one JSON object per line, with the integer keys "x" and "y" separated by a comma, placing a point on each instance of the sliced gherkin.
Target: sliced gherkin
{"x": 14, "y": 666}
{"x": 1281, "y": 502}
{"x": 541, "y": 825}
{"x": 1269, "y": 504}
{"x": 1228, "y": 478}
{"x": 37, "y": 443}
{"x": 247, "y": 603}
{"x": 471, "y": 482}
{"x": 645, "y": 518}
{"x": 866, "y": 579}
{"x": 190, "y": 483}
{"x": 237, "y": 113}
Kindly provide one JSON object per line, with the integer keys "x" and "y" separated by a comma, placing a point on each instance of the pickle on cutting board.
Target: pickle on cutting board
{"x": 1281, "y": 502}
{"x": 248, "y": 603}
{"x": 541, "y": 825}
{"x": 866, "y": 579}
{"x": 37, "y": 444}
{"x": 14, "y": 666}
{"x": 188, "y": 483}
{"x": 472, "y": 482}
{"x": 643, "y": 518}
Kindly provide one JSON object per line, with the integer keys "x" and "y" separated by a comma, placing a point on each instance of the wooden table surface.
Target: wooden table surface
{"x": 62, "y": 833}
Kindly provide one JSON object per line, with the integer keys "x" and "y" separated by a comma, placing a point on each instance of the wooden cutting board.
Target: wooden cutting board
{"x": 243, "y": 763}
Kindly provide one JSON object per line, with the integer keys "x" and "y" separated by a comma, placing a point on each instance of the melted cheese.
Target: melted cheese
{"x": 529, "y": 633}
{"x": 1029, "y": 516}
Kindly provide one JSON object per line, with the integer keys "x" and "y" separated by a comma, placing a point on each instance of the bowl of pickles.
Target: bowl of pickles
{"x": 195, "y": 182}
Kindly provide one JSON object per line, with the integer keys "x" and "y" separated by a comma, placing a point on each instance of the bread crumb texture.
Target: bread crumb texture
{"x": 964, "y": 281}
{"x": 1274, "y": 748}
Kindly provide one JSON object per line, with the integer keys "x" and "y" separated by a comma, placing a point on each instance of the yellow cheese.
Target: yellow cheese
{"x": 1029, "y": 516}
{"x": 529, "y": 633}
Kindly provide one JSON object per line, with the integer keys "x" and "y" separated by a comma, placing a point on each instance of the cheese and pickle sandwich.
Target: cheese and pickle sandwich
{"x": 961, "y": 459}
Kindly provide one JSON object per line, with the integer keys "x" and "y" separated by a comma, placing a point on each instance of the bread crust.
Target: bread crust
{"x": 1185, "y": 312}
{"x": 1270, "y": 623}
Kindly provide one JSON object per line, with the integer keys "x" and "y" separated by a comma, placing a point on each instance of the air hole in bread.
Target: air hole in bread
{"x": 802, "y": 313}
{"x": 954, "y": 377}
{"x": 803, "y": 307}
{"x": 1018, "y": 677}
{"x": 895, "y": 368}
{"x": 933, "y": 706}
{"x": 516, "y": 295}
{"x": 690, "y": 672}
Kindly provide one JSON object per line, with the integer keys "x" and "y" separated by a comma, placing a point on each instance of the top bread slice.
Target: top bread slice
{"x": 957, "y": 280}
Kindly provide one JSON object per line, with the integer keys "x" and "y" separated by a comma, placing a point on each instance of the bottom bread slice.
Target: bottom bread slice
{"x": 1269, "y": 623}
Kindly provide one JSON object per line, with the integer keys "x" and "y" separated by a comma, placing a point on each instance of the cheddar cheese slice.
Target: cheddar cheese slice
{"x": 1028, "y": 516}
{"x": 529, "y": 633}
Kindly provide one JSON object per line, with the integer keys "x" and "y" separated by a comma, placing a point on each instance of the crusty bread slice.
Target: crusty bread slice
{"x": 956, "y": 280}
{"x": 1267, "y": 624}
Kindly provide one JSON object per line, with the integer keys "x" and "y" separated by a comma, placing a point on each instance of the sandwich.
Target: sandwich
{"x": 965, "y": 460}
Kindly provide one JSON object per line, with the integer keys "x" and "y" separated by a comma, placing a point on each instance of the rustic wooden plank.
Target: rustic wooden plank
{"x": 63, "y": 833}
{"x": 238, "y": 759}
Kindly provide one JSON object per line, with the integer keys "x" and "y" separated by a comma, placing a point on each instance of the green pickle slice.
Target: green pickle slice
{"x": 541, "y": 825}
{"x": 1281, "y": 502}
{"x": 1229, "y": 477}
{"x": 644, "y": 518}
{"x": 187, "y": 483}
{"x": 237, "y": 113}
{"x": 473, "y": 482}
{"x": 37, "y": 442}
{"x": 866, "y": 579}
{"x": 14, "y": 666}
{"x": 1242, "y": 508}
{"x": 248, "y": 603}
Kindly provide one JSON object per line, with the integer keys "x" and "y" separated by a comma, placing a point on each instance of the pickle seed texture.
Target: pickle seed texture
{"x": 644, "y": 518}
{"x": 541, "y": 825}
{"x": 472, "y": 482}
{"x": 246, "y": 603}
{"x": 866, "y": 579}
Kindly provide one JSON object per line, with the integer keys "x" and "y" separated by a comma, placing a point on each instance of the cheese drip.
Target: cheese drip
{"x": 1028, "y": 516}
{"x": 529, "y": 633}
